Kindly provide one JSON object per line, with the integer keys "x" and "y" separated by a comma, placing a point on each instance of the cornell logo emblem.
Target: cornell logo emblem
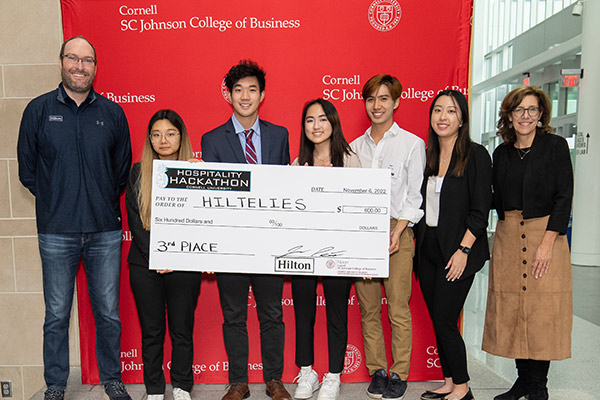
{"x": 353, "y": 359}
{"x": 225, "y": 91}
{"x": 384, "y": 15}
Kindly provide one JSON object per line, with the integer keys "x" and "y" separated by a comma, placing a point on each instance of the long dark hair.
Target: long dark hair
{"x": 338, "y": 146}
{"x": 463, "y": 141}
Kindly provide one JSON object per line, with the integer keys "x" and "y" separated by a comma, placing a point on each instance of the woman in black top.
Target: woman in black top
{"x": 530, "y": 307}
{"x": 157, "y": 291}
{"x": 452, "y": 237}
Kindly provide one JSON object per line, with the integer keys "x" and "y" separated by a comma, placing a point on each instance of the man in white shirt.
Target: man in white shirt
{"x": 386, "y": 145}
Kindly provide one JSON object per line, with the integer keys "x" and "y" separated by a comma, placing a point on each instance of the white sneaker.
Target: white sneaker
{"x": 155, "y": 397}
{"x": 180, "y": 394}
{"x": 308, "y": 383}
{"x": 330, "y": 388}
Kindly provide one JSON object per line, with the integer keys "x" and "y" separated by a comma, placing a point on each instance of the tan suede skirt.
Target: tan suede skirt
{"x": 526, "y": 317}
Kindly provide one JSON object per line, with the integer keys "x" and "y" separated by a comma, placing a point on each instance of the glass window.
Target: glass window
{"x": 526, "y": 15}
{"x": 488, "y": 66}
{"x": 488, "y": 118}
{"x": 519, "y": 16}
{"x": 513, "y": 19}
{"x": 501, "y": 92}
{"x": 490, "y": 28}
{"x": 506, "y": 19}
{"x": 499, "y": 62}
{"x": 572, "y": 94}
{"x": 541, "y": 11}
{"x": 558, "y": 5}
{"x": 553, "y": 91}
{"x": 501, "y": 23}
{"x": 494, "y": 24}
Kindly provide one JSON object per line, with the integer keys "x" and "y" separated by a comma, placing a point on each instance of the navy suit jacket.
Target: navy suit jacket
{"x": 222, "y": 144}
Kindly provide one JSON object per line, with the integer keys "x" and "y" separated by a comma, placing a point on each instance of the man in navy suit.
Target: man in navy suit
{"x": 244, "y": 138}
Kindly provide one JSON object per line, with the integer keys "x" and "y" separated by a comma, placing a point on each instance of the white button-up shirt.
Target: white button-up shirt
{"x": 403, "y": 153}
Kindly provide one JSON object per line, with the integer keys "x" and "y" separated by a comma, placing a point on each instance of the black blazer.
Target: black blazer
{"x": 222, "y": 144}
{"x": 547, "y": 184}
{"x": 464, "y": 203}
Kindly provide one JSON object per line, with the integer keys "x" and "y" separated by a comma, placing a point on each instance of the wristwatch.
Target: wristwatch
{"x": 465, "y": 249}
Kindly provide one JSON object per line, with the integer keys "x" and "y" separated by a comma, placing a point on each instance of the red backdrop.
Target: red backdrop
{"x": 165, "y": 54}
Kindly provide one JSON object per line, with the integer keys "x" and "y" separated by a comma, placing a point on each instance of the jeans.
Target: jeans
{"x": 101, "y": 255}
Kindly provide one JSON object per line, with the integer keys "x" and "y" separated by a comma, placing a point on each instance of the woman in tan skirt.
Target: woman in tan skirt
{"x": 530, "y": 305}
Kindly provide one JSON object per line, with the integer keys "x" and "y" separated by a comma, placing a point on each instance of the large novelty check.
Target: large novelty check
{"x": 270, "y": 219}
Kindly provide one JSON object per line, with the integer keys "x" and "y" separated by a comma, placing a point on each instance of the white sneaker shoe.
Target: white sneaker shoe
{"x": 180, "y": 394}
{"x": 330, "y": 388}
{"x": 156, "y": 397}
{"x": 308, "y": 383}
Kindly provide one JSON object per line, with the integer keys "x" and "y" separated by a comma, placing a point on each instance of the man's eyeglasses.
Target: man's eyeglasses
{"x": 73, "y": 59}
{"x": 520, "y": 111}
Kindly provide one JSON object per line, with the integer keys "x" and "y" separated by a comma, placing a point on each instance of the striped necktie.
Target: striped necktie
{"x": 250, "y": 150}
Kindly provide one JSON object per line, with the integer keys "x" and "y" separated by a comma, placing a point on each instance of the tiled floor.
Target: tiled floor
{"x": 485, "y": 384}
{"x": 572, "y": 379}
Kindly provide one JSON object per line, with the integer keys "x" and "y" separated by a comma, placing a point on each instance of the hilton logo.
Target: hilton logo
{"x": 291, "y": 264}
{"x": 384, "y": 15}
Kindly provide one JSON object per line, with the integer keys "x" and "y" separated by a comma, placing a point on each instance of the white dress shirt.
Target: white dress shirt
{"x": 403, "y": 153}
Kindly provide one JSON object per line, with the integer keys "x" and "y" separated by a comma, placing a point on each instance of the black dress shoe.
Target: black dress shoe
{"x": 428, "y": 395}
{"x": 468, "y": 396}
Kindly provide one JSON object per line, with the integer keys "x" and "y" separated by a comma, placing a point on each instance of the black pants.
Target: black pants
{"x": 304, "y": 293}
{"x": 445, "y": 301}
{"x": 233, "y": 292}
{"x": 178, "y": 292}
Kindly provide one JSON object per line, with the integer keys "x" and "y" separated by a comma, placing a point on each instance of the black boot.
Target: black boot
{"x": 520, "y": 387}
{"x": 538, "y": 379}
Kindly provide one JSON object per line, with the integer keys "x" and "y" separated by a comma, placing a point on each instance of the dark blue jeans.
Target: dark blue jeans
{"x": 101, "y": 255}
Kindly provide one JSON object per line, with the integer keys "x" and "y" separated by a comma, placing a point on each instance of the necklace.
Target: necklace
{"x": 321, "y": 159}
{"x": 523, "y": 152}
